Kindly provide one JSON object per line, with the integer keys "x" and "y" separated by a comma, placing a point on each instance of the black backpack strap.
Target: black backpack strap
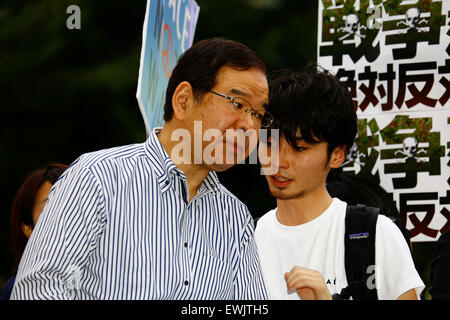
{"x": 360, "y": 229}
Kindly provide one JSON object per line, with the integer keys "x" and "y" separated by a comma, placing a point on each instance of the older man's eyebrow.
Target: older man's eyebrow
{"x": 239, "y": 92}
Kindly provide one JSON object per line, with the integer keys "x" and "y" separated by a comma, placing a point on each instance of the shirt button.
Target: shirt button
{"x": 186, "y": 283}
{"x": 167, "y": 182}
{"x": 185, "y": 244}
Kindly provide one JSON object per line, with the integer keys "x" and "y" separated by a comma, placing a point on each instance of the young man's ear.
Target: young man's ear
{"x": 338, "y": 156}
{"x": 182, "y": 99}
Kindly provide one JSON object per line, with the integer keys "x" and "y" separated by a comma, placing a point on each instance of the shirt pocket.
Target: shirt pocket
{"x": 217, "y": 275}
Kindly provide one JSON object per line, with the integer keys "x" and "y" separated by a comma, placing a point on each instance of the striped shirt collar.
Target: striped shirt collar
{"x": 165, "y": 167}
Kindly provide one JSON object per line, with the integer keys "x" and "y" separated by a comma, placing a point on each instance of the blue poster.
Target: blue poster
{"x": 169, "y": 29}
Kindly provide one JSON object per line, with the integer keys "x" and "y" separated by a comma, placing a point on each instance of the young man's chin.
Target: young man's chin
{"x": 283, "y": 195}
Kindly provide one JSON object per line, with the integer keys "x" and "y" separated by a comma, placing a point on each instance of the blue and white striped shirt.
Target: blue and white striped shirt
{"x": 116, "y": 227}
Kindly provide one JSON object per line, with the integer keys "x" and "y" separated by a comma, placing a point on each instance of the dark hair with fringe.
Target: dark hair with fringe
{"x": 314, "y": 102}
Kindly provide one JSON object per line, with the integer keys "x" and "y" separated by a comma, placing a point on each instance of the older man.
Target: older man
{"x": 151, "y": 220}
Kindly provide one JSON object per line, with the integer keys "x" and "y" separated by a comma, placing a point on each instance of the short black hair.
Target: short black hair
{"x": 316, "y": 103}
{"x": 199, "y": 66}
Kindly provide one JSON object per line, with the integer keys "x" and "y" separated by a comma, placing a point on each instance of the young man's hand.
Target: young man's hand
{"x": 308, "y": 283}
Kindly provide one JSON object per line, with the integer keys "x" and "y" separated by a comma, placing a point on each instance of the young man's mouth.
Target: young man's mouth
{"x": 280, "y": 181}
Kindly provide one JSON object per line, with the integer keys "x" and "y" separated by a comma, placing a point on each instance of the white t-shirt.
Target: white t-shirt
{"x": 319, "y": 245}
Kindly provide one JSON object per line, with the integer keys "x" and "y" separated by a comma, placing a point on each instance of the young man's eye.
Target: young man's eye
{"x": 299, "y": 149}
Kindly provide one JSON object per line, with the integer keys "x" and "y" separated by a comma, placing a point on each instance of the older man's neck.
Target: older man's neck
{"x": 195, "y": 173}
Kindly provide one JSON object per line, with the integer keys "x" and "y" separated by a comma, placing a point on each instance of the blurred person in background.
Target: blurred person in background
{"x": 365, "y": 190}
{"x": 27, "y": 206}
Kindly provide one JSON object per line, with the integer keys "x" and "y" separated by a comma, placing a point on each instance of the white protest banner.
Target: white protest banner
{"x": 169, "y": 29}
{"x": 394, "y": 56}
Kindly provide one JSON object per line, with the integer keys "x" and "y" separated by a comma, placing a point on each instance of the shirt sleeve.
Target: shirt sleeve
{"x": 395, "y": 272}
{"x": 249, "y": 283}
{"x": 65, "y": 234}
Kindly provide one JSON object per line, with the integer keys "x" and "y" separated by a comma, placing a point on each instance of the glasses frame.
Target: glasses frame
{"x": 267, "y": 114}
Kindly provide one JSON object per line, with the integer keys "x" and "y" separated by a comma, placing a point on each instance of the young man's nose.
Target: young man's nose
{"x": 284, "y": 153}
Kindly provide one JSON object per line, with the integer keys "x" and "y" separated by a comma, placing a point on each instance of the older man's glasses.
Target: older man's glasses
{"x": 261, "y": 118}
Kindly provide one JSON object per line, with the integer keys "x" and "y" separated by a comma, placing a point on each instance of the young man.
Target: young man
{"x": 301, "y": 242}
{"x": 151, "y": 220}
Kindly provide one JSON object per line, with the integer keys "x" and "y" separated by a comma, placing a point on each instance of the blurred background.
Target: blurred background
{"x": 67, "y": 92}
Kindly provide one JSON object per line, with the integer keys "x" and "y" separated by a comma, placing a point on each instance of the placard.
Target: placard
{"x": 169, "y": 29}
{"x": 394, "y": 56}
